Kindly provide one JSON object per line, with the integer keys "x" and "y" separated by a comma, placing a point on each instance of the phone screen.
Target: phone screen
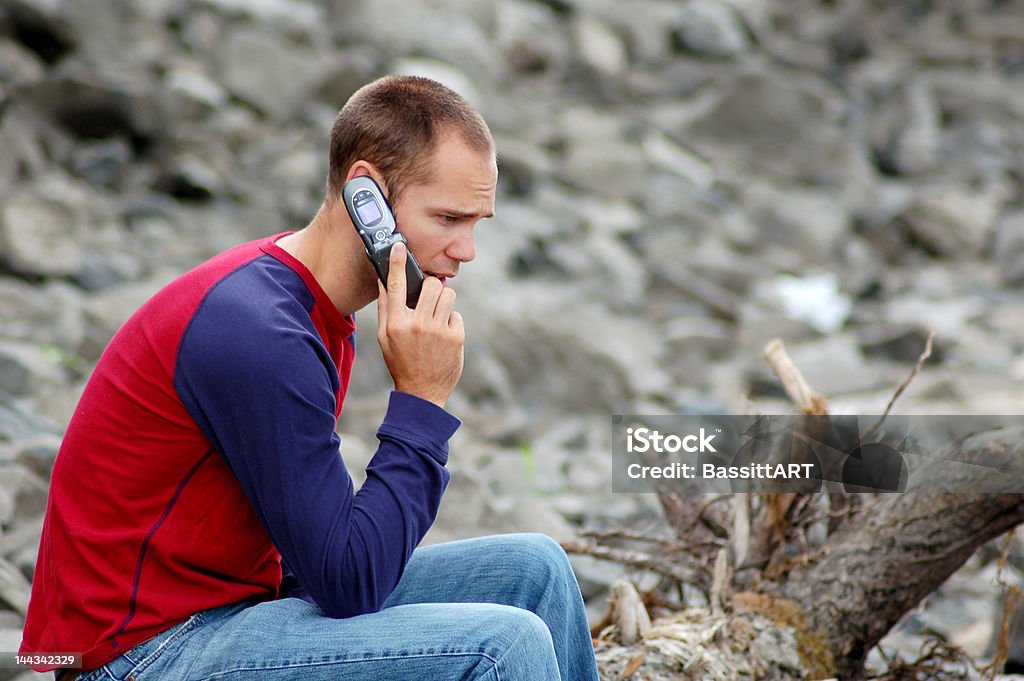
{"x": 369, "y": 213}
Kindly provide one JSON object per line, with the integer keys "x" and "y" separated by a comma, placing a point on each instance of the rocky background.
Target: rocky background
{"x": 681, "y": 181}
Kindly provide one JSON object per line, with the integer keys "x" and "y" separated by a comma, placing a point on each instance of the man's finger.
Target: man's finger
{"x": 429, "y": 294}
{"x": 382, "y": 305}
{"x": 455, "y": 322}
{"x": 445, "y": 305}
{"x": 396, "y": 279}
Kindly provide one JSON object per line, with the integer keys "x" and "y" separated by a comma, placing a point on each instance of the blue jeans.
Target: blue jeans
{"x": 498, "y": 608}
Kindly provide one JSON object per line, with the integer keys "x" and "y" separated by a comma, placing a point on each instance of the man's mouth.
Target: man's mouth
{"x": 443, "y": 277}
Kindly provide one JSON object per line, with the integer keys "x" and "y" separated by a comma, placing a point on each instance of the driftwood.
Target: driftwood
{"x": 874, "y": 558}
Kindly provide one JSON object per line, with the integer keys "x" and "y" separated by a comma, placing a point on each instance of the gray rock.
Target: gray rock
{"x": 810, "y": 222}
{"x": 956, "y": 221}
{"x": 511, "y": 472}
{"x": 17, "y": 422}
{"x": 37, "y": 453}
{"x": 14, "y": 588}
{"x": 191, "y": 82}
{"x": 666, "y": 154}
{"x": 673, "y": 203}
{"x": 46, "y": 20}
{"x": 947, "y": 317}
{"x": 558, "y": 213}
{"x": 394, "y": 31}
{"x": 201, "y": 30}
{"x": 274, "y": 74}
{"x": 917, "y": 148}
{"x": 17, "y": 64}
{"x": 25, "y": 494}
{"x": 530, "y": 37}
{"x": 453, "y": 77}
{"x": 609, "y": 263}
{"x": 598, "y": 159}
{"x": 98, "y": 105}
{"x": 352, "y": 68}
{"x": 598, "y": 47}
{"x": 28, "y": 368}
{"x": 774, "y": 126}
{"x": 522, "y": 166}
{"x": 38, "y": 236}
{"x": 897, "y": 342}
{"x": 463, "y": 508}
{"x": 22, "y": 139}
{"x": 50, "y": 314}
{"x": 711, "y": 28}
{"x": 835, "y": 365}
{"x": 758, "y": 324}
{"x": 899, "y": 107}
{"x": 549, "y": 363}
{"x": 106, "y": 28}
{"x": 11, "y": 620}
{"x": 22, "y": 538}
{"x": 1008, "y": 247}
{"x": 612, "y": 217}
{"x": 692, "y": 343}
{"x": 647, "y": 27}
{"x": 104, "y": 163}
{"x": 293, "y": 16}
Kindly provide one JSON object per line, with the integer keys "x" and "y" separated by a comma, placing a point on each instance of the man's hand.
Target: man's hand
{"x": 423, "y": 348}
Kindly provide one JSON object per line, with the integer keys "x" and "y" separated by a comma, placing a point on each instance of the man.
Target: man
{"x": 201, "y": 523}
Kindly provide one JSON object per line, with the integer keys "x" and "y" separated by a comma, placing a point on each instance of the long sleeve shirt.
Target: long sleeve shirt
{"x": 203, "y": 452}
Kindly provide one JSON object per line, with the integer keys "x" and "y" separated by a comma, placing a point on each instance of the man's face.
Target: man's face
{"x": 437, "y": 217}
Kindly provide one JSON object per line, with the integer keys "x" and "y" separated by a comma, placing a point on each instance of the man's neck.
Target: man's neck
{"x": 335, "y": 261}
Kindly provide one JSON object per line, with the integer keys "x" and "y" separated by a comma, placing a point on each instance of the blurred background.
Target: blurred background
{"x": 680, "y": 182}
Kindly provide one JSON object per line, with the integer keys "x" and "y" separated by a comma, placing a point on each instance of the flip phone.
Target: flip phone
{"x": 376, "y": 226}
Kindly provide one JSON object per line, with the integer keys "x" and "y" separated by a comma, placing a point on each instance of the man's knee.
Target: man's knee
{"x": 532, "y": 550}
{"x": 520, "y": 632}
{"x": 537, "y": 553}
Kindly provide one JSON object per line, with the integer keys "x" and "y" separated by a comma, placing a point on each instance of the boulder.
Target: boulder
{"x": 773, "y": 126}
{"x": 598, "y": 46}
{"x": 531, "y": 37}
{"x": 955, "y": 221}
{"x": 39, "y": 236}
{"x": 710, "y": 28}
{"x": 28, "y": 368}
{"x": 274, "y": 74}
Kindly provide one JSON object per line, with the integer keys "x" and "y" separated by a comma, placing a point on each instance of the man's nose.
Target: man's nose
{"x": 463, "y": 248}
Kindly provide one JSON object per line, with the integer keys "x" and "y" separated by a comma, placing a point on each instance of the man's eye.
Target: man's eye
{"x": 449, "y": 219}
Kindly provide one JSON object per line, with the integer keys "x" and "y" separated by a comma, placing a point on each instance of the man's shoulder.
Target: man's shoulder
{"x": 244, "y": 278}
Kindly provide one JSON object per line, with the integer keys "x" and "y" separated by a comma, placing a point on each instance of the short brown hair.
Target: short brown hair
{"x": 395, "y": 123}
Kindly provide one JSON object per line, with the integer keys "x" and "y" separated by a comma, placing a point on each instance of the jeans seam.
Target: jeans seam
{"x": 344, "y": 660}
{"x": 188, "y": 625}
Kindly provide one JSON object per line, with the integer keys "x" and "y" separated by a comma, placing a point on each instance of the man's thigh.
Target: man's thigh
{"x": 291, "y": 639}
{"x": 507, "y": 568}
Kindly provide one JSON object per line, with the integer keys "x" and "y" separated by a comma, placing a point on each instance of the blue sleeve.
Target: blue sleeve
{"x": 261, "y": 386}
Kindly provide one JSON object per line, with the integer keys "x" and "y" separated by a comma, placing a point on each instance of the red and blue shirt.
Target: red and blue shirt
{"x": 203, "y": 453}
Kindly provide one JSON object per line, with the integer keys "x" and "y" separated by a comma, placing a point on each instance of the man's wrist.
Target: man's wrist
{"x": 420, "y": 418}
{"x": 431, "y": 396}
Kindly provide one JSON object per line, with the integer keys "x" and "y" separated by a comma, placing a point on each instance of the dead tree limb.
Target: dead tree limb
{"x": 897, "y": 552}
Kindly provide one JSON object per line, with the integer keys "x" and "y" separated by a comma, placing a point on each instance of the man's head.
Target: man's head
{"x": 396, "y": 124}
{"x": 434, "y": 157}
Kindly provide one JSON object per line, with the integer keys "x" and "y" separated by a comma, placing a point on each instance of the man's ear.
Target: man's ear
{"x": 361, "y": 167}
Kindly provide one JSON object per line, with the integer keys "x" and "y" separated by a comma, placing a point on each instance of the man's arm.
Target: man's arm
{"x": 263, "y": 390}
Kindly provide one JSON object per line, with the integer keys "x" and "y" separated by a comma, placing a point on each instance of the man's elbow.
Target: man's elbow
{"x": 346, "y": 610}
{"x": 352, "y": 604}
